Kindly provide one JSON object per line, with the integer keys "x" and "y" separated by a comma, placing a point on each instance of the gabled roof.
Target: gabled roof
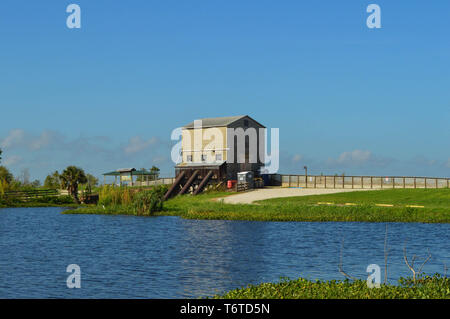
{"x": 218, "y": 121}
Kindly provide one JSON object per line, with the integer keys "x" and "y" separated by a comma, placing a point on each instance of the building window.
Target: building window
{"x": 203, "y": 158}
{"x": 189, "y": 158}
{"x": 218, "y": 157}
{"x": 245, "y": 123}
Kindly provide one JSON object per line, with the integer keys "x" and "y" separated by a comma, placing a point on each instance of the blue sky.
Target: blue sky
{"x": 345, "y": 97}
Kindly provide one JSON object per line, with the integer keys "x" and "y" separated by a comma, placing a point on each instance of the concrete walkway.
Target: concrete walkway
{"x": 276, "y": 192}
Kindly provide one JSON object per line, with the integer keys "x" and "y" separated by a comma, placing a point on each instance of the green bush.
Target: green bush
{"x": 132, "y": 201}
{"x": 115, "y": 196}
{"x": 55, "y": 200}
{"x": 6, "y": 202}
{"x": 149, "y": 201}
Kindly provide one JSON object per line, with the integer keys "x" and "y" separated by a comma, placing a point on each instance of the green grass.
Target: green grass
{"x": 430, "y": 198}
{"x": 435, "y": 287}
{"x": 436, "y": 202}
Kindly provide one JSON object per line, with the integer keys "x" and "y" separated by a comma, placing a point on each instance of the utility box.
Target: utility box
{"x": 246, "y": 177}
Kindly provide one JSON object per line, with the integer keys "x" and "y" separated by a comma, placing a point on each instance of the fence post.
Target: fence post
{"x": 289, "y": 176}
{"x": 404, "y": 185}
{"x": 362, "y": 182}
{"x": 381, "y": 182}
{"x": 425, "y": 182}
{"x": 325, "y": 181}
{"x": 315, "y": 181}
{"x": 353, "y": 181}
{"x": 334, "y": 181}
{"x": 371, "y": 181}
{"x": 306, "y": 181}
{"x": 393, "y": 182}
{"x": 298, "y": 181}
{"x": 415, "y": 186}
{"x": 436, "y": 182}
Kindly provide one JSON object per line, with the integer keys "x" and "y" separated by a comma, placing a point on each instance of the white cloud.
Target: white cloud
{"x": 11, "y": 160}
{"x": 19, "y": 138}
{"x": 15, "y": 138}
{"x": 160, "y": 159}
{"x": 423, "y": 161}
{"x": 137, "y": 144}
{"x": 297, "y": 158}
{"x": 358, "y": 158}
{"x": 354, "y": 157}
{"x": 46, "y": 138}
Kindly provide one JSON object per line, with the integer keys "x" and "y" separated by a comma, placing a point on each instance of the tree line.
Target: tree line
{"x": 70, "y": 179}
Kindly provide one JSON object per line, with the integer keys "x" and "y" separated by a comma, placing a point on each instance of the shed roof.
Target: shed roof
{"x": 201, "y": 164}
{"x": 218, "y": 121}
{"x": 127, "y": 171}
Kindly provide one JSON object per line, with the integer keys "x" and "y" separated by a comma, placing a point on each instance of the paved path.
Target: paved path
{"x": 275, "y": 192}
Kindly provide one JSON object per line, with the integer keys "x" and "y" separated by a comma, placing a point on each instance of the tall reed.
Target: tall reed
{"x": 114, "y": 196}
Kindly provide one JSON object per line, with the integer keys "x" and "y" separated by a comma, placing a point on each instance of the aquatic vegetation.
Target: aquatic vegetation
{"x": 428, "y": 287}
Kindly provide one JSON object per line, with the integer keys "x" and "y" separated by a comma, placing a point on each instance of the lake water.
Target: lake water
{"x": 169, "y": 257}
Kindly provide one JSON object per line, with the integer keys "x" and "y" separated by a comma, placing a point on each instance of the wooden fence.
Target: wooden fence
{"x": 360, "y": 182}
{"x": 29, "y": 194}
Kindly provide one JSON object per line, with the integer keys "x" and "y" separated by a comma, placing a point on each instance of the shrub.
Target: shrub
{"x": 61, "y": 200}
{"x": 113, "y": 196}
{"x": 3, "y": 187}
{"x": 149, "y": 201}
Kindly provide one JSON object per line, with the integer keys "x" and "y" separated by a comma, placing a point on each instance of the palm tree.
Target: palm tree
{"x": 70, "y": 178}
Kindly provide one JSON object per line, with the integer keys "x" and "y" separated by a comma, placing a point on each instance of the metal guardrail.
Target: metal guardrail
{"x": 336, "y": 181}
{"x": 363, "y": 182}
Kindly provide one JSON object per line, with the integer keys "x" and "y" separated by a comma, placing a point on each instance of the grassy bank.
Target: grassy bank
{"x": 45, "y": 201}
{"x": 37, "y": 204}
{"x": 435, "y": 287}
{"x": 206, "y": 206}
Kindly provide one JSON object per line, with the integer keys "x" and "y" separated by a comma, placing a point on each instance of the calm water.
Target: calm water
{"x": 168, "y": 257}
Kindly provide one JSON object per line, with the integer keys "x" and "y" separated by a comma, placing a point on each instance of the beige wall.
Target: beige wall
{"x": 212, "y": 141}
{"x": 207, "y": 141}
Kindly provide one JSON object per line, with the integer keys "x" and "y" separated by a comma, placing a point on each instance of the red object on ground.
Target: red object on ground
{"x": 231, "y": 183}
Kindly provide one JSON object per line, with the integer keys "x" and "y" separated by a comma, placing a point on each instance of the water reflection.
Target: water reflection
{"x": 220, "y": 254}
